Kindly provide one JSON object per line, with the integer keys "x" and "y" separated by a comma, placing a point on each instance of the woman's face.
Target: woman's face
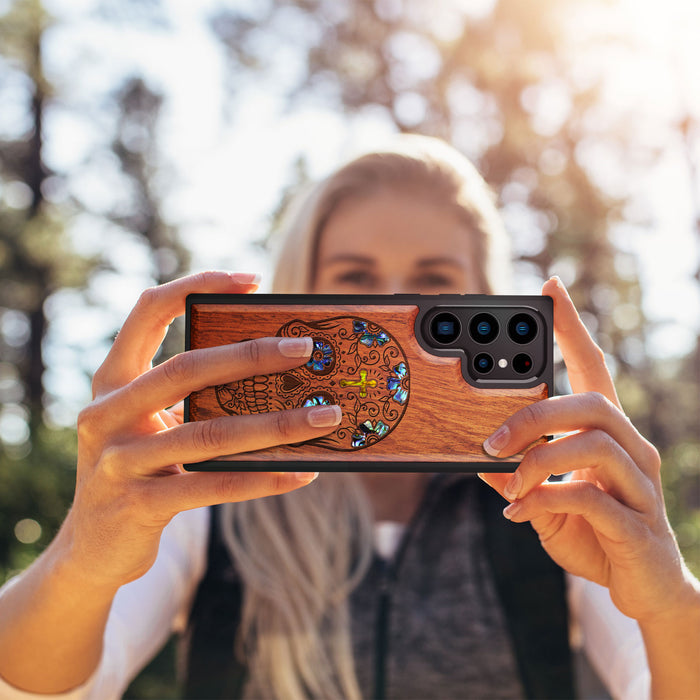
{"x": 395, "y": 242}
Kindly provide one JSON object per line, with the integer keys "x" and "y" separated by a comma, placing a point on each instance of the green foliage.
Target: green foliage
{"x": 35, "y": 486}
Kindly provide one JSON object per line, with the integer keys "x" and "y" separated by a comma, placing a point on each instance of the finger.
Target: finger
{"x": 594, "y": 451}
{"x": 176, "y": 413}
{"x": 565, "y": 414}
{"x": 191, "y": 371}
{"x": 585, "y": 361}
{"x": 172, "y": 416}
{"x": 145, "y": 327}
{"x": 228, "y": 435}
{"x": 610, "y": 519}
{"x": 556, "y": 532}
{"x": 188, "y": 490}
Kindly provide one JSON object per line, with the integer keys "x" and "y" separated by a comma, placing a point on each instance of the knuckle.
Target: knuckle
{"x": 251, "y": 351}
{"x": 652, "y": 457}
{"x": 232, "y": 486}
{"x": 277, "y": 483}
{"x": 533, "y": 415}
{"x": 209, "y": 436}
{"x": 534, "y": 459}
{"x": 86, "y": 421}
{"x": 597, "y": 355}
{"x": 181, "y": 368}
{"x": 90, "y": 422}
{"x": 97, "y": 381}
{"x": 111, "y": 461}
{"x": 225, "y": 488}
{"x": 597, "y": 402}
{"x": 199, "y": 279}
{"x": 606, "y": 445}
{"x": 588, "y": 493}
{"x": 282, "y": 426}
{"x": 147, "y": 298}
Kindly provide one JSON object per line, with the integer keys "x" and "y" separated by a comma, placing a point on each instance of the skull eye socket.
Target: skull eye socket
{"x": 319, "y": 398}
{"x": 322, "y": 360}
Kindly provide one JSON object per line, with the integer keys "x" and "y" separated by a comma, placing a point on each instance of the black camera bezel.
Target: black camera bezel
{"x": 502, "y": 345}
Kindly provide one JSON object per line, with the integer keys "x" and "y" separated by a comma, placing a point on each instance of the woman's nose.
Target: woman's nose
{"x": 394, "y": 285}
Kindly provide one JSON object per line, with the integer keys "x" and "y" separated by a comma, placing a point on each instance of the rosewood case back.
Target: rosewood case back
{"x": 410, "y": 401}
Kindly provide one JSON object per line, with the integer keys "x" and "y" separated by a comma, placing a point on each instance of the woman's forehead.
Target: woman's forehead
{"x": 394, "y": 224}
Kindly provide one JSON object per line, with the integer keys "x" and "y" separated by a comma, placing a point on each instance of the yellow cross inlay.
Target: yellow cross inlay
{"x": 362, "y": 383}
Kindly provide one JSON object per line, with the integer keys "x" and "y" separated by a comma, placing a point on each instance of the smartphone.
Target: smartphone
{"x": 422, "y": 380}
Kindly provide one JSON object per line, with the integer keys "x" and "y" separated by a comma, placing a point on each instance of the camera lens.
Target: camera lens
{"x": 483, "y": 328}
{"x": 522, "y": 363}
{"x": 445, "y": 328}
{"x": 522, "y": 328}
{"x": 483, "y": 363}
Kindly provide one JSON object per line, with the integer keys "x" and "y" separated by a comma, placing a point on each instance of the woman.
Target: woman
{"x": 295, "y": 573}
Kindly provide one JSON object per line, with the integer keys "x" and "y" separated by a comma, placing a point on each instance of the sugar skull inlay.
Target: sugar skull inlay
{"x": 354, "y": 363}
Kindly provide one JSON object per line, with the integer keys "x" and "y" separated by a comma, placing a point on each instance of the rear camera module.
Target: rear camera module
{"x": 483, "y": 363}
{"x": 522, "y": 328}
{"x": 522, "y": 363}
{"x": 483, "y": 328}
{"x": 445, "y": 328}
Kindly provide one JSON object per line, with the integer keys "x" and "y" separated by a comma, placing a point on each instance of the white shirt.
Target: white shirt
{"x": 147, "y": 611}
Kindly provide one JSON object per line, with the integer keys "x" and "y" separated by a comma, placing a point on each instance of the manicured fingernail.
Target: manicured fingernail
{"x": 558, "y": 281}
{"x": 246, "y": 277}
{"x": 512, "y": 510}
{"x": 306, "y": 477}
{"x": 324, "y": 416}
{"x": 496, "y": 442}
{"x": 512, "y": 488}
{"x": 296, "y": 347}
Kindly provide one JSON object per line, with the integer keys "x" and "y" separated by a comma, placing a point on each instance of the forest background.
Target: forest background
{"x": 143, "y": 139}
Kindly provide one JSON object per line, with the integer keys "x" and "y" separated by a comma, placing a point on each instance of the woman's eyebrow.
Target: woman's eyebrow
{"x": 350, "y": 258}
{"x": 431, "y": 262}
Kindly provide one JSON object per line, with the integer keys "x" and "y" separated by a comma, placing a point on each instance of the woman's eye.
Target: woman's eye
{"x": 360, "y": 278}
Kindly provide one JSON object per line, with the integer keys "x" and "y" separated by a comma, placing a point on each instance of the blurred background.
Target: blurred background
{"x": 143, "y": 139}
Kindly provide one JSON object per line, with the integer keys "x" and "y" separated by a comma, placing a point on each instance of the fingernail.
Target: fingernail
{"x": 512, "y": 510}
{"x": 561, "y": 285}
{"x": 306, "y": 477}
{"x": 296, "y": 347}
{"x": 512, "y": 488}
{"x": 324, "y": 416}
{"x": 246, "y": 277}
{"x": 496, "y": 442}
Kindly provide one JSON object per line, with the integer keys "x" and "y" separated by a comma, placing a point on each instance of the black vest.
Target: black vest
{"x": 530, "y": 586}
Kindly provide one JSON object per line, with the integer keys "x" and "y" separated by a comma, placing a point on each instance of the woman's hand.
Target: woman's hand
{"x": 608, "y": 523}
{"x": 130, "y": 480}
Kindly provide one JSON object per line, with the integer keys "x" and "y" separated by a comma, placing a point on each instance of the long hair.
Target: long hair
{"x": 300, "y": 554}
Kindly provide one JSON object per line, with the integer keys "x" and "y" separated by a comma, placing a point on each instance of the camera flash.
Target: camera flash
{"x": 503, "y": 363}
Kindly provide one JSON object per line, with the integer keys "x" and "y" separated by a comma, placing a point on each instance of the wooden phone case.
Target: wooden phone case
{"x": 407, "y": 406}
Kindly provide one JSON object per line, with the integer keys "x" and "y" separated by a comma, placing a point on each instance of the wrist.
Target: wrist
{"x": 72, "y": 563}
{"x": 684, "y": 608}
{"x": 672, "y": 642}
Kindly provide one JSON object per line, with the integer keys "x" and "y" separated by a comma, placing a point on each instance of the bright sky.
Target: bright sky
{"x": 230, "y": 170}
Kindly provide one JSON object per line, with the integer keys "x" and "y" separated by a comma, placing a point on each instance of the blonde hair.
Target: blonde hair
{"x": 299, "y": 555}
{"x": 418, "y": 163}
